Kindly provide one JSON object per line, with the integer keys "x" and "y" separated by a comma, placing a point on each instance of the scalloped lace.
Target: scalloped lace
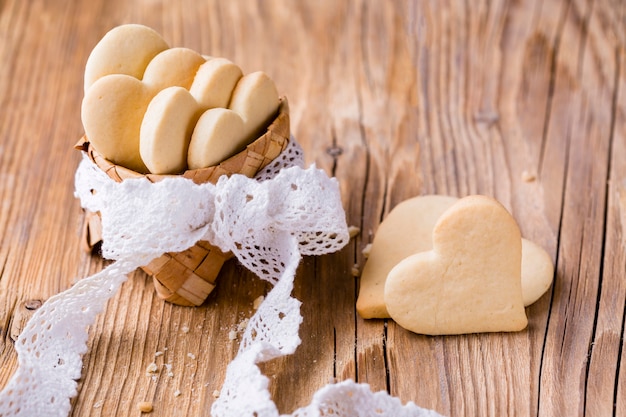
{"x": 268, "y": 222}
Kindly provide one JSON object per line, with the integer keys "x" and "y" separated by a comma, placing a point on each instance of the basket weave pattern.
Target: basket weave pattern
{"x": 188, "y": 277}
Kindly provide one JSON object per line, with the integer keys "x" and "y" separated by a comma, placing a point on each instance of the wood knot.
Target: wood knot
{"x": 32, "y": 304}
{"x": 22, "y": 313}
{"x": 334, "y": 151}
{"x": 486, "y": 117}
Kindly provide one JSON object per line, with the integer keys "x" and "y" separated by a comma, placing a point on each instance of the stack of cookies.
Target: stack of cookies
{"x": 441, "y": 265}
{"x": 154, "y": 111}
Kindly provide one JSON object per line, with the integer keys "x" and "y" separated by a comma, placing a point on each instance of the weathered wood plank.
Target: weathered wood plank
{"x": 583, "y": 105}
{"x": 605, "y": 394}
{"x": 396, "y": 99}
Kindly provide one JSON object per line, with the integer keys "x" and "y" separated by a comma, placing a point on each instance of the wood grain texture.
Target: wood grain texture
{"x": 395, "y": 99}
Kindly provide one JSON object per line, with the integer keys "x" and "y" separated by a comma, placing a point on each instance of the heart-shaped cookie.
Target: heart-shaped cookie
{"x": 214, "y": 83}
{"x": 171, "y": 123}
{"x": 112, "y": 112}
{"x": 174, "y": 67}
{"x": 255, "y": 99}
{"x": 214, "y": 138}
{"x": 221, "y": 133}
{"x": 393, "y": 243}
{"x": 166, "y": 130}
{"x": 125, "y": 49}
{"x": 406, "y": 230}
{"x": 114, "y": 106}
{"x": 470, "y": 281}
{"x": 537, "y": 272}
{"x": 138, "y": 121}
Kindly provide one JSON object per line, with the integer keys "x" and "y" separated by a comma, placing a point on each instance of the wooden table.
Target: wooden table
{"x": 523, "y": 101}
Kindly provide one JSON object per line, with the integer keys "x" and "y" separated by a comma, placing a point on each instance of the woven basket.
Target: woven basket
{"x": 188, "y": 277}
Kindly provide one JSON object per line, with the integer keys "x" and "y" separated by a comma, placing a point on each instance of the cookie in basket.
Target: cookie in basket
{"x": 153, "y": 111}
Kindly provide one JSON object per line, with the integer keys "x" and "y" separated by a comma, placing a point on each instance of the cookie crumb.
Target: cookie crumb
{"x": 257, "y": 302}
{"x": 184, "y": 329}
{"x": 242, "y": 325}
{"x": 528, "y": 176}
{"x": 145, "y": 407}
{"x": 366, "y": 250}
{"x": 355, "y": 271}
{"x": 152, "y": 369}
{"x": 157, "y": 354}
{"x": 168, "y": 368}
{"x": 177, "y": 393}
{"x": 353, "y": 231}
{"x": 232, "y": 335}
{"x": 216, "y": 394}
{"x": 191, "y": 356}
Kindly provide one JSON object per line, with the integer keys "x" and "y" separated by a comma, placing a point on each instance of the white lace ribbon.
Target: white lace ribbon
{"x": 268, "y": 224}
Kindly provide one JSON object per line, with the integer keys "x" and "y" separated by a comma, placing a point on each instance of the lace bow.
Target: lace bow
{"x": 267, "y": 223}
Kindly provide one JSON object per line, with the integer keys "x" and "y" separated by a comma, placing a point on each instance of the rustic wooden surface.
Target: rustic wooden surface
{"x": 396, "y": 99}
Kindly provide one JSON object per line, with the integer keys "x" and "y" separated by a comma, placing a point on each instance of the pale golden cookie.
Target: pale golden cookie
{"x": 126, "y": 49}
{"x": 131, "y": 66}
{"x": 214, "y": 83}
{"x": 173, "y": 67}
{"x": 537, "y": 271}
{"x": 405, "y": 231}
{"x": 112, "y": 111}
{"x": 166, "y": 131}
{"x": 221, "y": 133}
{"x": 114, "y": 107}
{"x": 218, "y": 134}
{"x": 255, "y": 99}
{"x": 470, "y": 282}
